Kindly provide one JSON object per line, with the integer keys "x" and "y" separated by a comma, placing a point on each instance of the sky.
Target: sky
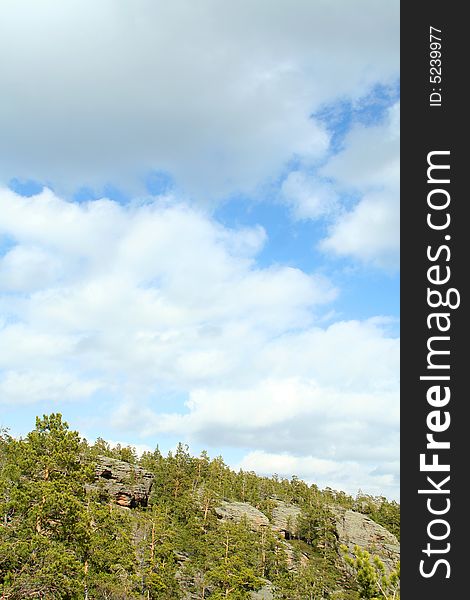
{"x": 199, "y": 229}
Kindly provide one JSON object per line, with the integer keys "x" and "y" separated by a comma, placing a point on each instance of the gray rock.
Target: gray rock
{"x": 237, "y": 511}
{"x": 284, "y": 518}
{"x": 265, "y": 593}
{"x": 127, "y": 485}
{"x": 354, "y": 528}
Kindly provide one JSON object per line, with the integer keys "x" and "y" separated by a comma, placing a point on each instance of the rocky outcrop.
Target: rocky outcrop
{"x": 237, "y": 511}
{"x": 284, "y": 518}
{"x": 354, "y": 528}
{"x": 127, "y": 485}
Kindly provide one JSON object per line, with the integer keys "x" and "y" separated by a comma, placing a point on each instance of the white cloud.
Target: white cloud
{"x": 368, "y": 165}
{"x": 30, "y": 386}
{"x": 148, "y": 291}
{"x": 326, "y": 398}
{"x": 217, "y": 93}
{"x": 153, "y": 301}
{"x": 370, "y": 232}
{"x": 26, "y": 268}
{"x": 308, "y": 197}
{"x": 283, "y": 414}
{"x": 139, "y": 448}
{"x": 370, "y": 158}
{"x": 148, "y": 302}
{"x": 325, "y": 473}
{"x": 352, "y": 356}
{"x": 330, "y": 396}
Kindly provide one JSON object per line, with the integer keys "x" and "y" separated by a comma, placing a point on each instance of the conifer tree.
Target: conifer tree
{"x": 374, "y": 582}
{"x": 61, "y": 540}
{"x": 45, "y": 534}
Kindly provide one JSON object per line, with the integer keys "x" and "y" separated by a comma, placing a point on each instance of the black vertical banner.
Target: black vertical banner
{"x": 435, "y": 242}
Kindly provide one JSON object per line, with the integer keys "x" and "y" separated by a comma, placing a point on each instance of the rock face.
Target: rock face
{"x": 265, "y": 593}
{"x": 283, "y": 523}
{"x": 354, "y": 528}
{"x": 237, "y": 511}
{"x": 284, "y": 518}
{"x": 128, "y": 485}
{"x": 293, "y": 558}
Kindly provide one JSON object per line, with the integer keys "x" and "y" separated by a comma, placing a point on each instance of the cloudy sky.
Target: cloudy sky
{"x": 199, "y": 228}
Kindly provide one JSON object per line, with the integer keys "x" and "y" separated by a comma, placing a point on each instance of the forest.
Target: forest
{"x": 63, "y": 536}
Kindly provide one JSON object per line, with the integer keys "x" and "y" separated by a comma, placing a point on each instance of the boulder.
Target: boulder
{"x": 237, "y": 511}
{"x": 127, "y": 485}
{"x": 354, "y": 528}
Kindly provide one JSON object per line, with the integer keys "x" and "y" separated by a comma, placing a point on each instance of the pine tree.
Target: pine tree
{"x": 155, "y": 537}
{"x": 45, "y": 530}
{"x": 231, "y": 562}
{"x": 60, "y": 540}
{"x": 374, "y": 582}
{"x": 57, "y": 542}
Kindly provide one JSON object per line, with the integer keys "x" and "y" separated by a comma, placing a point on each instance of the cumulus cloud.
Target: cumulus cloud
{"x": 146, "y": 289}
{"x": 370, "y": 231}
{"x": 368, "y": 165}
{"x": 325, "y": 473}
{"x": 330, "y": 394}
{"x": 218, "y": 94}
{"x": 157, "y": 307}
{"x": 151, "y": 302}
{"x": 284, "y": 414}
{"x": 31, "y": 386}
{"x": 308, "y": 197}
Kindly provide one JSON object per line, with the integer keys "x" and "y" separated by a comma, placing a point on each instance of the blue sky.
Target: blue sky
{"x": 199, "y": 240}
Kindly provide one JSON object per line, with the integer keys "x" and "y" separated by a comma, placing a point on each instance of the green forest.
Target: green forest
{"x": 63, "y": 535}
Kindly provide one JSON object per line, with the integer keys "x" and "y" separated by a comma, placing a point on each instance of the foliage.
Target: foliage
{"x": 374, "y": 582}
{"x": 58, "y": 541}
{"x": 53, "y": 539}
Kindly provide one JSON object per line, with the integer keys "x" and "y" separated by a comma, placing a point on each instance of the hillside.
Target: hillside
{"x": 81, "y": 521}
